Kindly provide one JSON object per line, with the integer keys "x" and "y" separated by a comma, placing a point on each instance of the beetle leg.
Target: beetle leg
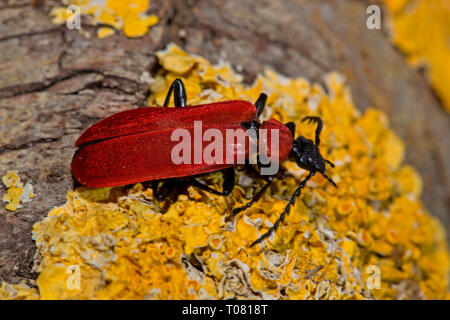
{"x": 179, "y": 94}
{"x": 204, "y": 187}
{"x": 227, "y": 186}
{"x": 291, "y": 127}
{"x": 286, "y": 210}
{"x": 228, "y": 180}
{"x": 165, "y": 189}
{"x": 257, "y": 195}
{"x": 255, "y": 198}
{"x": 154, "y": 186}
{"x": 261, "y": 103}
{"x": 318, "y": 129}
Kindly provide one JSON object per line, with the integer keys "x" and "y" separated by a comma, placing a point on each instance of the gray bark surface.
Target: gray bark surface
{"x": 55, "y": 82}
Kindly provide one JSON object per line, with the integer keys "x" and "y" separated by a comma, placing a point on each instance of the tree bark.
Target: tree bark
{"x": 55, "y": 82}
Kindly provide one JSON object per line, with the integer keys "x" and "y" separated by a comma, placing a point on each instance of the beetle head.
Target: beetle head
{"x": 307, "y": 156}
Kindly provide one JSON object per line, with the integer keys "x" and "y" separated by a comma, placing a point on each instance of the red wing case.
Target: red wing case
{"x": 136, "y": 145}
{"x": 153, "y": 119}
{"x": 146, "y": 156}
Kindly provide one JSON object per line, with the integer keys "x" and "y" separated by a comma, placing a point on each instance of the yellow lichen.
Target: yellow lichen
{"x": 421, "y": 29}
{"x": 119, "y": 243}
{"x": 17, "y": 193}
{"x": 129, "y": 16}
{"x": 17, "y": 292}
{"x": 104, "y": 32}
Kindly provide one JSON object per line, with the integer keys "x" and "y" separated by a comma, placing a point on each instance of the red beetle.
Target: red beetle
{"x": 137, "y": 145}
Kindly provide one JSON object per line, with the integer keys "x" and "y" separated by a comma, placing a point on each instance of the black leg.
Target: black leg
{"x": 291, "y": 127}
{"x": 227, "y": 186}
{"x": 255, "y": 198}
{"x": 261, "y": 103}
{"x": 255, "y": 124}
{"x": 286, "y": 210}
{"x": 165, "y": 189}
{"x": 319, "y": 126}
{"x": 228, "y": 182}
{"x": 179, "y": 94}
{"x": 154, "y": 186}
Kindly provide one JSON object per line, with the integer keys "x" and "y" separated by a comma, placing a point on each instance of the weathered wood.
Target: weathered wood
{"x": 55, "y": 82}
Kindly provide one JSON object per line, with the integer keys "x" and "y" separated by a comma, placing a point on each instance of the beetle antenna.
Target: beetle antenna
{"x": 329, "y": 179}
{"x": 286, "y": 209}
{"x": 330, "y": 163}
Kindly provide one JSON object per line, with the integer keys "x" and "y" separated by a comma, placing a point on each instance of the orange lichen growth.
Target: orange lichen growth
{"x": 369, "y": 238}
{"x": 129, "y": 16}
{"x": 17, "y": 193}
{"x": 421, "y": 29}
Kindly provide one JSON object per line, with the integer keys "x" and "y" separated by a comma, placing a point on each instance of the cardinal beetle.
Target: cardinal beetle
{"x": 135, "y": 146}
